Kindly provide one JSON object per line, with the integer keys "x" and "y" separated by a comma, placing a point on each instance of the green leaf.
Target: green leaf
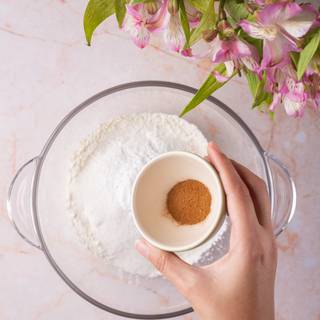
{"x": 200, "y": 5}
{"x": 264, "y": 100}
{"x": 253, "y": 82}
{"x": 256, "y": 86}
{"x": 207, "y": 22}
{"x": 295, "y": 58}
{"x": 260, "y": 96}
{"x": 236, "y": 10}
{"x": 184, "y": 22}
{"x": 120, "y": 8}
{"x": 259, "y": 99}
{"x": 207, "y": 88}
{"x": 96, "y": 12}
{"x": 232, "y": 22}
{"x": 251, "y": 17}
{"x": 139, "y": 1}
{"x": 307, "y": 53}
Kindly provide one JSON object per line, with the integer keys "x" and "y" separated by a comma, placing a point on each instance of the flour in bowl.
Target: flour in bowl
{"x": 101, "y": 177}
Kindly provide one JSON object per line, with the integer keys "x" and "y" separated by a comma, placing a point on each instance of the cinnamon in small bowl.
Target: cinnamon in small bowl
{"x": 177, "y": 201}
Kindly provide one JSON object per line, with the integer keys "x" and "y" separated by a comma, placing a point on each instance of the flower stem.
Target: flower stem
{"x": 222, "y": 13}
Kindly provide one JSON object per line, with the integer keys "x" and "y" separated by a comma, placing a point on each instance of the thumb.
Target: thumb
{"x": 179, "y": 273}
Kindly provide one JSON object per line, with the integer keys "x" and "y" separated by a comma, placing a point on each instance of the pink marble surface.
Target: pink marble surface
{"x": 46, "y": 69}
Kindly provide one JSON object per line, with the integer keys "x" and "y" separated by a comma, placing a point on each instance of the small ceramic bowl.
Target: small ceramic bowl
{"x": 149, "y": 196}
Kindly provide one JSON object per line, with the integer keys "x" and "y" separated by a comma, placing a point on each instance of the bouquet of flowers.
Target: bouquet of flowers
{"x": 274, "y": 44}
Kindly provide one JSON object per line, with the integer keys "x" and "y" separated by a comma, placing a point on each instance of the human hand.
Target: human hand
{"x": 239, "y": 286}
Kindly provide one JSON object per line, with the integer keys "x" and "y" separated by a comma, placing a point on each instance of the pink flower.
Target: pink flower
{"x": 295, "y": 99}
{"x": 140, "y": 23}
{"x": 311, "y": 80}
{"x": 286, "y": 89}
{"x": 276, "y": 75}
{"x": 280, "y": 25}
{"x": 232, "y": 53}
{"x": 173, "y": 35}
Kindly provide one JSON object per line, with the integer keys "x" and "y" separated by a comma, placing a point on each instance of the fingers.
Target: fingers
{"x": 240, "y": 205}
{"x": 178, "y": 272}
{"x": 259, "y": 194}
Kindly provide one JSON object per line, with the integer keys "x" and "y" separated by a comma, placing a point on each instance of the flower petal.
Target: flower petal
{"x": 258, "y": 31}
{"x": 243, "y": 49}
{"x": 219, "y": 54}
{"x": 270, "y": 14}
{"x": 293, "y": 108}
{"x": 276, "y": 51}
{"x": 157, "y": 20}
{"x": 200, "y": 50}
{"x": 250, "y": 63}
{"x": 290, "y": 83}
{"x": 174, "y": 36}
{"x": 295, "y": 99}
{"x": 299, "y": 25}
{"x": 134, "y": 11}
{"x": 275, "y": 101}
{"x": 135, "y": 26}
{"x": 275, "y": 13}
{"x": 295, "y": 90}
{"x": 140, "y": 36}
{"x": 291, "y": 9}
{"x": 229, "y": 68}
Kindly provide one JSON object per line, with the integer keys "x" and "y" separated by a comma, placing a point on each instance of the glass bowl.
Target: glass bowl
{"x": 37, "y": 195}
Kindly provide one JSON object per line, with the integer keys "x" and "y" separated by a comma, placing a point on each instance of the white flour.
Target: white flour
{"x": 102, "y": 174}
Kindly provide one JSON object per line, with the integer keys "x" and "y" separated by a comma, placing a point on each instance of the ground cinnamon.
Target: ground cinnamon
{"x": 189, "y": 202}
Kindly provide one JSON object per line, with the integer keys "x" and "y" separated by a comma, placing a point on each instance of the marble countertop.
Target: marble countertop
{"x": 47, "y": 69}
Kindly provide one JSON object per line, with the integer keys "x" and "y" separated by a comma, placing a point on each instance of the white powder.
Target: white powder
{"x": 101, "y": 177}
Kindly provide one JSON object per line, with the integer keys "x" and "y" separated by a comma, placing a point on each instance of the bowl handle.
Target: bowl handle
{"x": 19, "y": 203}
{"x": 284, "y": 199}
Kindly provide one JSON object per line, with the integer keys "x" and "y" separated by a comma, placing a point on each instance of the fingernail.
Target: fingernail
{"x": 142, "y": 247}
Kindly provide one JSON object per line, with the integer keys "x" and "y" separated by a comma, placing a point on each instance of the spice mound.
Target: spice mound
{"x": 189, "y": 202}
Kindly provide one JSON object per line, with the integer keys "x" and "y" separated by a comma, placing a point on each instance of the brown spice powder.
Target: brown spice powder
{"x": 189, "y": 202}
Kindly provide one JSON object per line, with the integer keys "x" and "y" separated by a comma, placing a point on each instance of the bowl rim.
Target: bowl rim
{"x": 59, "y": 128}
{"x": 220, "y": 209}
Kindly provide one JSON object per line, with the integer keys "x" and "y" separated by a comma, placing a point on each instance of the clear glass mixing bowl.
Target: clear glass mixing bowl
{"x": 37, "y": 196}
